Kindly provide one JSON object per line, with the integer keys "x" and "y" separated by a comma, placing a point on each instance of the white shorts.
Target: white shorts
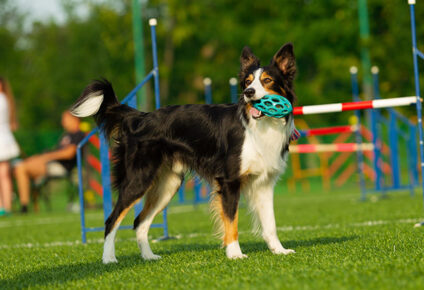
{"x": 55, "y": 169}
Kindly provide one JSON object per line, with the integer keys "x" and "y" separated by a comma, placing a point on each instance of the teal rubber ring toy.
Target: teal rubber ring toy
{"x": 273, "y": 106}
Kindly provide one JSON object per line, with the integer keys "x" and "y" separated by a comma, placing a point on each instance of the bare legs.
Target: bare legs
{"x": 5, "y": 186}
{"x": 30, "y": 168}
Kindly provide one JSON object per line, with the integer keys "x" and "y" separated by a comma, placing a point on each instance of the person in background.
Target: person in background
{"x": 54, "y": 163}
{"x": 9, "y": 149}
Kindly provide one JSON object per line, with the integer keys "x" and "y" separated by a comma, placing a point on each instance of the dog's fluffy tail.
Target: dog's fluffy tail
{"x": 99, "y": 100}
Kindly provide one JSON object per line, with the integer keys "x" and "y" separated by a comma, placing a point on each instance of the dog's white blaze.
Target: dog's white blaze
{"x": 109, "y": 246}
{"x": 167, "y": 185}
{"x": 233, "y": 251}
{"x": 256, "y": 84}
{"x": 90, "y": 106}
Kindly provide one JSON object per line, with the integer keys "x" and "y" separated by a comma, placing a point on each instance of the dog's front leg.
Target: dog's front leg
{"x": 228, "y": 198}
{"x": 262, "y": 202}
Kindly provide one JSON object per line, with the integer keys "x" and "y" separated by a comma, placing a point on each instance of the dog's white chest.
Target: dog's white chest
{"x": 262, "y": 147}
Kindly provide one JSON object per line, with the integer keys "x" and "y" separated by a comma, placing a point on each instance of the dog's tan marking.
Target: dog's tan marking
{"x": 249, "y": 79}
{"x": 248, "y": 107}
{"x": 227, "y": 228}
{"x": 264, "y": 76}
{"x": 268, "y": 86}
{"x": 124, "y": 213}
{"x": 231, "y": 229}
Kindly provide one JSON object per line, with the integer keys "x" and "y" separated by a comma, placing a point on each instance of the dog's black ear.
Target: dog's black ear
{"x": 248, "y": 59}
{"x": 285, "y": 61}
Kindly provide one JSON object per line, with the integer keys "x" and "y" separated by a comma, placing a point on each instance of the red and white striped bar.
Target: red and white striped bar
{"x": 340, "y": 107}
{"x": 338, "y": 147}
{"x": 329, "y": 130}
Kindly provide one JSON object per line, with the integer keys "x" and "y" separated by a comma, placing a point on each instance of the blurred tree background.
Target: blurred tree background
{"x": 49, "y": 64}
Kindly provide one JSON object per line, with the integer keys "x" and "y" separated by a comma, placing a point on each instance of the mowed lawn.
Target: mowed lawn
{"x": 340, "y": 243}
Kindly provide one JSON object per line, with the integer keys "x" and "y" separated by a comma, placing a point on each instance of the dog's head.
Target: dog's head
{"x": 276, "y": 78}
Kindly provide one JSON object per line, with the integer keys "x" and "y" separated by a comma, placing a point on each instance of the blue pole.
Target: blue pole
{"x": 411, "y": 158}
{"x": 208, "y": 99}
{"x": 181, "y": 197}
{"x": 153, "y": 23}
{"x": 138, "y": 207}
{"x": 394, "y": 151}
{"x": 415, "y": 53}
{"x": 208, "y": 90}
{"x": 233, "y": 90}
{"x": 358, "y": 138}
{"x": 105, "y": 173}
{"x": 376, "y": 142}
{"x": 80, "y": 183}
{"x": 414, "y": 153}
{"x": 197, "y": 190}
{"x": 81, "y": 195}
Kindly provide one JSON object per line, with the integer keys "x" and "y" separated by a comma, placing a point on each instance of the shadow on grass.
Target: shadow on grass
{"x": 252, "y": 247}
{"x": 56, "y": 275}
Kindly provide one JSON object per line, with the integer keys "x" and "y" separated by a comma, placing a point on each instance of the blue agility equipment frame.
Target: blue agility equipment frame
{"x": 377, "y": 121}
{"x": 131, "y": 100}
{"x": 395, "y": 134}
{"x": 358, "y": 136}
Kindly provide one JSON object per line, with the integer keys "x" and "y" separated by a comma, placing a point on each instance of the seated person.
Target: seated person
{"x": 54, "y": 163}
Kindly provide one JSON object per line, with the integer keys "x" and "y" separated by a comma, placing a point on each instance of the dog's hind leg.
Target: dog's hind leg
{"x": 167, "y": 183}
{"x": 129, "y": 195}
{"x": 112, "y": 224}
{"x": 226, "y": 205}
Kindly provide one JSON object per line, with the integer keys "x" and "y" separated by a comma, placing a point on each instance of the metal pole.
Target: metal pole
{"x": 207, "y": 82}
{"x": 153, "y": 23}
{"x": 233, "y": 90}
{"x": 375, "y": 140}
{"x": 414, "y": 153}
{"x": 81, "y": 195}
{"x": 417, "y": 88}
{"x": 105, "y": 173}
{"x": 394, "y": 151}
{"x": 358, "y": 138}
{"x": 181, "y": 197}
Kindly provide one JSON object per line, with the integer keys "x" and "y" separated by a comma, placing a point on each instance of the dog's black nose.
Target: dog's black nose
{"x": 249, "y": 92}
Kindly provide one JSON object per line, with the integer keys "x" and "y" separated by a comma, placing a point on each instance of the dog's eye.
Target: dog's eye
{"x": 267, "y": 80}
{"x": 248, "y": 82}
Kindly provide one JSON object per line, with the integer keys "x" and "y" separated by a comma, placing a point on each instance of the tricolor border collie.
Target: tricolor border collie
{"x": 236, "y": 148}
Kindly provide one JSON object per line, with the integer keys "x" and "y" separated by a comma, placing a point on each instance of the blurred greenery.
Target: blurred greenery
{"x": 50, "y": 64}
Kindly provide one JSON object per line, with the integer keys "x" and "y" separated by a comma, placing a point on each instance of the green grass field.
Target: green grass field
{"x": 340, "y": 243}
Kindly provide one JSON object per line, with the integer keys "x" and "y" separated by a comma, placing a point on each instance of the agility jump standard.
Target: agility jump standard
{"x": 131, "y": 100}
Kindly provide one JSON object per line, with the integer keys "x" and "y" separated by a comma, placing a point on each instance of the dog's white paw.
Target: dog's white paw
{"x": 233, "y": 251}
{"x": 150, "y": 257}
{"x": 239, "y": 256}
{"x": 109, "y": 259}
{"x": 283, "y": 251}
